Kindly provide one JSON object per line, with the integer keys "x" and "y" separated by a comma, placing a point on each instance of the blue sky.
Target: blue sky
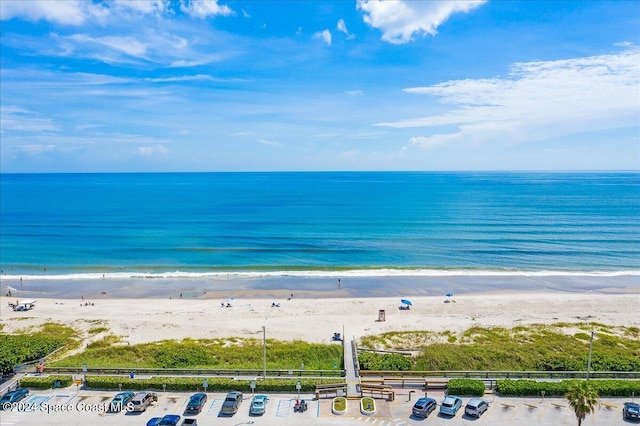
{"x": 319, "y": 85}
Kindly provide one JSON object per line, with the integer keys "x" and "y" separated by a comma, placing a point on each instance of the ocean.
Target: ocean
{"x": 315, "y": 224}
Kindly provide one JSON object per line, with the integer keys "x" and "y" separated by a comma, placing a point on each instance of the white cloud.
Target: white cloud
{"x": 422, "y": 141}
{"x": 129, "y": 46}
{"x": 78, "y": 12}
{"x": 354, "y": 92}
{"x": 399, "y": 20}
{"x": 349, "y": 154}
{"x": 141, "y": 7}
{"x": 204, "y": 8}
{"x": 149, "y": 151}
{"x": 342, "y": 27}
{"x": 69, "y": 12}
{"x": 20, "y": 119}
{"x": 268, "y": 142}
{"x": 538, "y": 100}
{"x": 323, "y": 35}
{"x": 37, "y": 149}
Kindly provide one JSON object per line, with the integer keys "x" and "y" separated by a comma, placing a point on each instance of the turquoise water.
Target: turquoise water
{"x": 193, "y": 224}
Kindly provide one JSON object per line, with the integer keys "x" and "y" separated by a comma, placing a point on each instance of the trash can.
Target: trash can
{"x": 56, "y": 384}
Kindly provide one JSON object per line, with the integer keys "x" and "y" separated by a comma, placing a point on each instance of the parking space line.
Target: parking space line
{"x": 215, "y": 407}
{"x": 284, "y": 406}
{"x": 515, "y": 410}
{"x": 544, "y": 410}
{"x": 37, "y": 401}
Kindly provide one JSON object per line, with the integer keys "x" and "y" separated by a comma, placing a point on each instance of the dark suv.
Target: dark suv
{"x": 196, "y": 403}
{"x": 423, "y": 407}
{"x": 631, "y": 411}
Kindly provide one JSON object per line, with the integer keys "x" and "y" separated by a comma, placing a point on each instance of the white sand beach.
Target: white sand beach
{"x": 313, "y": 318}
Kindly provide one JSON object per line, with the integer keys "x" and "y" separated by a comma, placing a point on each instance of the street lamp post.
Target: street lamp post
{"x": 593, "y": 333}
{"x": 264, "y": 352}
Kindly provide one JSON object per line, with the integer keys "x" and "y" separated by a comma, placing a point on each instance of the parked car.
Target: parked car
{"x": 631, "y": 411}
{"x": 450, "y": 405}
{"x": 424, "y": 406}
{"x": 196, "y": 403}
{"x": 154, "y": 421}
{"x": 476, "y": 406}
{"x": 142, "y": 400}
{"x": 120, "y": 401}
{"x": 258, "y": 405}
{"x": 189, "y": 422}
{"x": 169, "y": 420}
{"x": 13, "y": 396}
{"x": 231, "y": 403}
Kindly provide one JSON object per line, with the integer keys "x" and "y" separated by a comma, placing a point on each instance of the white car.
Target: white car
{"x": 476, "y": 406}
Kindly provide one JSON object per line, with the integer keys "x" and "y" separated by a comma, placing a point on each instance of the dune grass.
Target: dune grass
{"x": 33, "y": 344}
{"x": 561, "y": 346}
{"x": 224, "y": 353}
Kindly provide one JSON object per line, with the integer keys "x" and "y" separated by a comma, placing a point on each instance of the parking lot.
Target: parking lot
{"x": 80, "y": 407}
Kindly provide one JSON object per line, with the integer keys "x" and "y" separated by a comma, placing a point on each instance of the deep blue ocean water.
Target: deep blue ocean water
{"x": 318, "y": 223}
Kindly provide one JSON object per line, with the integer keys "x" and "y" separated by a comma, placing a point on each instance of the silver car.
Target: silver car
{"x": 476, "y": 406}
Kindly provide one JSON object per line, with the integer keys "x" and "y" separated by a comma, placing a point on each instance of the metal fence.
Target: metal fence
{"x": 559, "y": 375}
{"x": 195, "y": 372}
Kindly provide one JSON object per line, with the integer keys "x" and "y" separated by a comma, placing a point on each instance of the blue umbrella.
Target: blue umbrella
{"x": 406, "y": 302}
{"x": 449, "y": 295}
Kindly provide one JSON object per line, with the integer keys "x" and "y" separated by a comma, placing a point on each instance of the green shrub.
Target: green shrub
{"x": 46, "y": 382}
{"x": 340, "y": 403}
{"x": 606, "y": 388}
{"x": 558, "y": 362}
{"x": 193, "y": 384}
{"x": 236, "y": 353}
{"x": 465, "y": 387}
{"x": 18, "y": 348}
{"x": 389, "y": 362}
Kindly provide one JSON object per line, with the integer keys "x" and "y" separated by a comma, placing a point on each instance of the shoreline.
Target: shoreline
{"x": 334, "y": 285}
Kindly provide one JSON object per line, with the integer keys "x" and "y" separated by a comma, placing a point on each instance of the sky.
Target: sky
{"x": 206, "y": 85}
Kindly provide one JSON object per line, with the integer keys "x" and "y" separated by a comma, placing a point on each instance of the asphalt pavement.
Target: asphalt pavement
{"x": 71, "y": 407}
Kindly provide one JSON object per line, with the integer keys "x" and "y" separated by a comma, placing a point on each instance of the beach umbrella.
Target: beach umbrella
{"x": 406, "y": 302}
{"x": 449, "y": 294}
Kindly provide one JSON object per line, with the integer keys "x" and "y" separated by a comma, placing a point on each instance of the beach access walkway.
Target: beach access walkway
{"x": 351, "y": 369}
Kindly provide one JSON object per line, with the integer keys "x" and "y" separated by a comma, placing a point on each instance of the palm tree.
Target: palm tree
{"x": 583, "y": 398}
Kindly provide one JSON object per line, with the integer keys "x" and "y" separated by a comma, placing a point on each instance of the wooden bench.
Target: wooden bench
{"x": 437, "y": 385}
{"x": 504, "y": 404}
{"x": 330, "y": 389}
{"x": 373, "y": 390}
{"x": 530, "y": 405}
{"x": 408, "y": 382}
{"x": 608, "y": 405}
{"x": 557, "y": 405}
{"x": 365, "y": 380}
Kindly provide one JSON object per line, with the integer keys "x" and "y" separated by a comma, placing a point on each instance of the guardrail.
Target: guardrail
{"x": 195, "y": 372}
{"x": 505, "y": 374}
